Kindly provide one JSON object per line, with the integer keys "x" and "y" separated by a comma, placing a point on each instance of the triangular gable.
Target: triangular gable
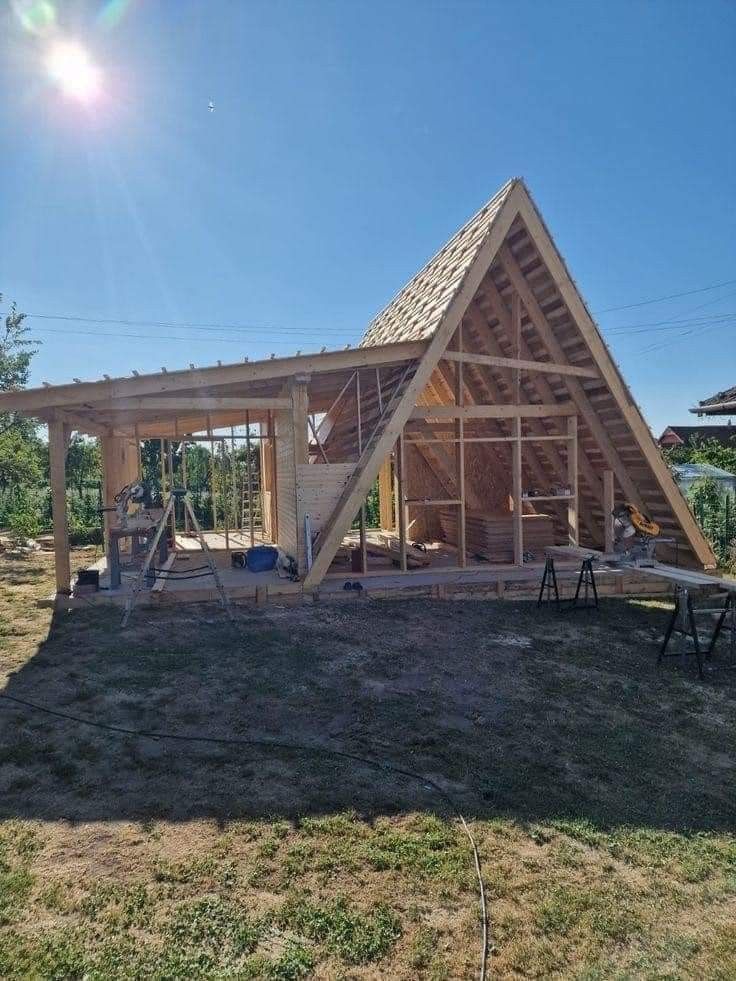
{"x": 432, "y": 305}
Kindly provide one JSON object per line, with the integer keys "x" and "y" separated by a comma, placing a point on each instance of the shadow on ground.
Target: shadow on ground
{"x": 517, "y": 712}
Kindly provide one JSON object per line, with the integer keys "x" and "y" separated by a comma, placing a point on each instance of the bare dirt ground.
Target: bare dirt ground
{"x": 601, "y": 791}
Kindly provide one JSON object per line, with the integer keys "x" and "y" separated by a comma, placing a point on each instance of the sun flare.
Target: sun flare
{"x": 72, "y": 69}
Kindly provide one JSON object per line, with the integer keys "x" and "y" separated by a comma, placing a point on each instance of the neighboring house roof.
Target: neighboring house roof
{"x": 722, "y": 403}
{"x": 678, "y": 435}
{"x": 417, "y": 310}
{"x": 692, "y": 471}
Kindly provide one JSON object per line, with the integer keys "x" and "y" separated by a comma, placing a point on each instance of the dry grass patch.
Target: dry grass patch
{"x": 600, "y": 789}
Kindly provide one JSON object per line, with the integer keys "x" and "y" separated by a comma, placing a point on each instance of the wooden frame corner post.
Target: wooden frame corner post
{"x": 58, "y": 443}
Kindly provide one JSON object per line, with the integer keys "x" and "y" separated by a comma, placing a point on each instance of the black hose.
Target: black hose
{"x": 294, "y": 748}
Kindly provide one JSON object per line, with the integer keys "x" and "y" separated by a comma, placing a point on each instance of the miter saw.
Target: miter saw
{"x": 635, "y": 535}
{"x": 135, "y": 493}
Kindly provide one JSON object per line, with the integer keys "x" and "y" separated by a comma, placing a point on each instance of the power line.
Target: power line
{"x": 179, "y": 325}
{"x": 672, "y": 296}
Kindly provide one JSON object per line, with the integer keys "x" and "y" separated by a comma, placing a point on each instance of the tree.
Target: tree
{"x": 22, "y": 453}
{"x": 82, "y": 462}
{"x": 16, "y": 352}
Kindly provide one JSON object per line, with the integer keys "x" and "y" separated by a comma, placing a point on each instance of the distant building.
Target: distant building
{"x": 680, "y": 435}
{"x": 720, "y": 404}
{"x": 687, "y": 473}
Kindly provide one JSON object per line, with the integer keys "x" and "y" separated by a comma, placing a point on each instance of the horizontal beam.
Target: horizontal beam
{"x": 548, "y": 367}
{"x": 206, "y": 403}
{"x": 79, "y": 394}
{"x": 500, "y": 411}
{"x": 427, "y": 503}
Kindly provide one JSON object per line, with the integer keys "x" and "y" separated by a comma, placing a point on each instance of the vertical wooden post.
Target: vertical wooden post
{"x": 401, "y": 507}
{"x": 274, "y": 480}
{"x": 384, "y": 495}
{"x": 234, "y": 481}
{"x": 138, "y": 452}
{"x": 300, "y": 423}
{"x": 170, "y": 458}
{"x": 185, "y": 482}
{"x": 460, "y": 453}
{"x": 608, "y": 506}
{"x": 518, "y": 524}
{"x": 58, "y": 441}
{"x": 162, "y": 450}
{"x": 363, "y": 542}
{"x": 249, "y": 478}
{"x": 572, "y": 479}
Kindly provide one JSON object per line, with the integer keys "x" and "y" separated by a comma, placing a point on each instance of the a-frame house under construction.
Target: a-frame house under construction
{"x": 482, "y": 406}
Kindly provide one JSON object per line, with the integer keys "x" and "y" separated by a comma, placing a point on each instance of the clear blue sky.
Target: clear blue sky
{"x": 349, "y": 140}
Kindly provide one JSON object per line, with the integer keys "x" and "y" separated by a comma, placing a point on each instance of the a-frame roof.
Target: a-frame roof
{"x": 506, "y": 248}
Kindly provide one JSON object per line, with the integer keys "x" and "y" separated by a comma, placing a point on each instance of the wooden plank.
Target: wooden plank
{"x": 401, "y": 500}
{"x": 499, "y": 411}
{"x": 545, "y": 367}
{"x": 516, "y": 474}
{"x": 608, "y": 506}
{"x": 572, "y": 480}
{"x": 384, "y": 496}
{"x": 58, "y": 442}
{"x": 460, "y": 453}
{"x": 172, "y": 404}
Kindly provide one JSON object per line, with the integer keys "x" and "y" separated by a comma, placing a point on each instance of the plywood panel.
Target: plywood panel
{"x": 318, "y": 488}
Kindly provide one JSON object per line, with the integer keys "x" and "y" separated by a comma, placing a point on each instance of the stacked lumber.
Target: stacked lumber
{"x": 492, "y": 535}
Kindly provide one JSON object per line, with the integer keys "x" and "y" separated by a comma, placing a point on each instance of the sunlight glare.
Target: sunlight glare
{"x": 71, "y": 68}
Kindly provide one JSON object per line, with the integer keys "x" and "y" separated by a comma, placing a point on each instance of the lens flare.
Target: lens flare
{"x": 70, "y": 67}
{"x": 35, "y": 16}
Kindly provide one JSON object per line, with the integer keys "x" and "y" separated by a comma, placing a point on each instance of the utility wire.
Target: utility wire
{"x": 181, "y": 325}
{"x": 672, "y": 296}
{"x": 299, "y": 748}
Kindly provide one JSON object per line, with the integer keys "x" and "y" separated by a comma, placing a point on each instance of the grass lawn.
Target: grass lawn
{"x": 600, "y": 789}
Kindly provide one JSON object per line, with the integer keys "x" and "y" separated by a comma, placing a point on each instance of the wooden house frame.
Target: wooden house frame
{"x": 482, "y": 400}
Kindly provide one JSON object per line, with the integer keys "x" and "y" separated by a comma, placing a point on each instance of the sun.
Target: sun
{"x": 72, "y": 69}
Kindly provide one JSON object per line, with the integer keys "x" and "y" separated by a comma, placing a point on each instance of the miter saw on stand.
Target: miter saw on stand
{"x": 634, "y": 537}
{"x": 145, "y": 517}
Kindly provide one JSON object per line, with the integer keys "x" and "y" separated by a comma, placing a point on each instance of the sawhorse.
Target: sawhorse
{"x": 586, "y": 582}
{"x": 682, "y": 622}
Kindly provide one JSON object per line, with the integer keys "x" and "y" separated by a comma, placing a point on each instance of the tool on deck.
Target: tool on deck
{"x": 635, "y": 535}
{"x": 177, "y": 493}
{"x": 134, "y": 493}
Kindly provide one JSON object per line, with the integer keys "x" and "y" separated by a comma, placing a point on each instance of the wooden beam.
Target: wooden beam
{"x": 385, "y": 510}
{"x": 500, "y": 411}
{"x": 546, "y": 367}
{"x": 572, "y": 480}
{"x": 608, "y": 506}
{"x": 400, "y": 491}
{"x": 197, "y": 379}
{"x": 460, "y": 453}
{"x": 172, "y": 404}
{"x": 58, "y": 442}
{"x": 516, "y": 476}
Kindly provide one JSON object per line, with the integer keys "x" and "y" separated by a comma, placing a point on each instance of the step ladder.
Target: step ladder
{"x": 146, "y": 570}
{"x": 251, "y": 506}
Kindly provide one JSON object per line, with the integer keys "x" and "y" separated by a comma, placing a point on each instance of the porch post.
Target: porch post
{"x": 58, "y": 443}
